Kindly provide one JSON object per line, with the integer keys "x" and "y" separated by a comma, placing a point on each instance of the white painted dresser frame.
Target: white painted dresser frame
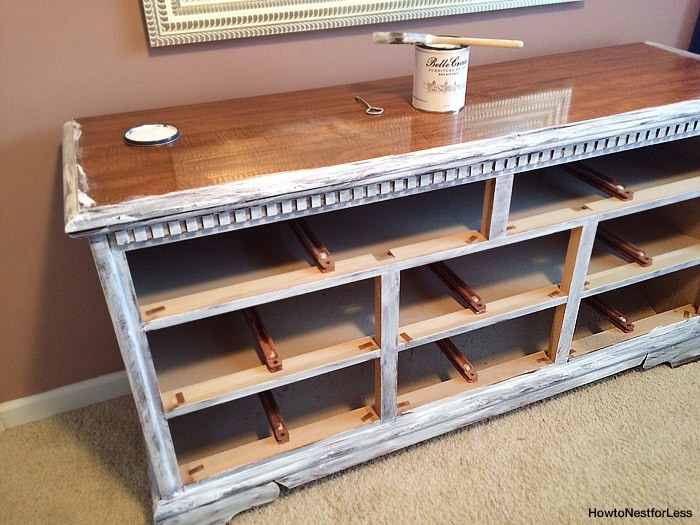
{"x": 495, "y": 161}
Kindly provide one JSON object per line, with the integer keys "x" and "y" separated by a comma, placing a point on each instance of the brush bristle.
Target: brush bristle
{"x": 398, "y": 38}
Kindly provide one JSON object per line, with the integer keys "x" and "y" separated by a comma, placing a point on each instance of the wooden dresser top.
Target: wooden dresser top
{"x": 236, "y": 152}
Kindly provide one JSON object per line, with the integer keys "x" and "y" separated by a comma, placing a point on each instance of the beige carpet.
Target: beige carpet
{"x": 632, "y": 441}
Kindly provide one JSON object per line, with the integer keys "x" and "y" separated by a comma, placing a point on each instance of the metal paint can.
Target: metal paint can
{"x": 440, "y": 78}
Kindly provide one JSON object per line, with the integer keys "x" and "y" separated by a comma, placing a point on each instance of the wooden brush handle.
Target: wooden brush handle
{"x": 487, "y": 42}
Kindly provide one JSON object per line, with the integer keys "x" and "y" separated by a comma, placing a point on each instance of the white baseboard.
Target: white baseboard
{"x": 63, "y": 399}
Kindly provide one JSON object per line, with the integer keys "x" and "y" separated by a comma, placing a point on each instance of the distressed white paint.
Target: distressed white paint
{"x": 496, "y": 206}
{"x": 677, "y": 353}
{"x": 564, "y": 143}
{"x": 189, "y": 214}
{"x": 575, "y": 271}
{"x": 219, "y": 510}
{"x": 358, "y": 446}
{"x": 387, "y": 323}
{"x": 113, "y": 270}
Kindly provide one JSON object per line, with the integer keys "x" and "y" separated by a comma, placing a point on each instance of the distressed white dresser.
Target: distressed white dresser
{"x": 298, "y": 287}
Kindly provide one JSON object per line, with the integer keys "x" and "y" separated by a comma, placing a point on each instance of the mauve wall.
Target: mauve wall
{"x": 69, "y": 58}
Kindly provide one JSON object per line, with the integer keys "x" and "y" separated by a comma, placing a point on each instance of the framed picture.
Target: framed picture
{"x": 172, "y": 22}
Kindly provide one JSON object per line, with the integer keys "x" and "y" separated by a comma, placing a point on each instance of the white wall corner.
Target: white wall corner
{"x": 63, "y": 399}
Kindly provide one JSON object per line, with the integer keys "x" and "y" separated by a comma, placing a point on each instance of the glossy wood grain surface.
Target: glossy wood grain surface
{"x": 244, "y": 139}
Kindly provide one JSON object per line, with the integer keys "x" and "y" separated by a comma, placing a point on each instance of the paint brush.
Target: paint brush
{"x": 429, "y": 40}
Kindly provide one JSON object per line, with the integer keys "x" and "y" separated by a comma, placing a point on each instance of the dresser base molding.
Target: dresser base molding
{"x": 215, "y": 500}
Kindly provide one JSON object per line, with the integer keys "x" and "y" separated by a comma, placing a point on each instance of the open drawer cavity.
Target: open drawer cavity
{"x": 503, "y": 283}
{"x": 272, "y": 422}
{"x": 633, "y": 311}
{"x": 604, "y": 184}
{"x": 399, "y": 229}
{"x": 437, "y": 370}
{"x": 645, "y": 244}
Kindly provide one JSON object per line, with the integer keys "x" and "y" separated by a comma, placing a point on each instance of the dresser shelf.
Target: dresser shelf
{"x": 295, "y": 292}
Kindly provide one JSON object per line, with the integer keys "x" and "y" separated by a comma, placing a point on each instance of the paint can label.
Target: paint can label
{"x": 440, "y": 78}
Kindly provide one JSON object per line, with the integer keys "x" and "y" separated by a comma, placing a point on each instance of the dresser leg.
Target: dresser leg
{"x": 676, "y": 355}
{"x": 218, "y": 512}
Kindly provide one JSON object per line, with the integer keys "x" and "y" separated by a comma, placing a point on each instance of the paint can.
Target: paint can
{"x": 440, "y": 78}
